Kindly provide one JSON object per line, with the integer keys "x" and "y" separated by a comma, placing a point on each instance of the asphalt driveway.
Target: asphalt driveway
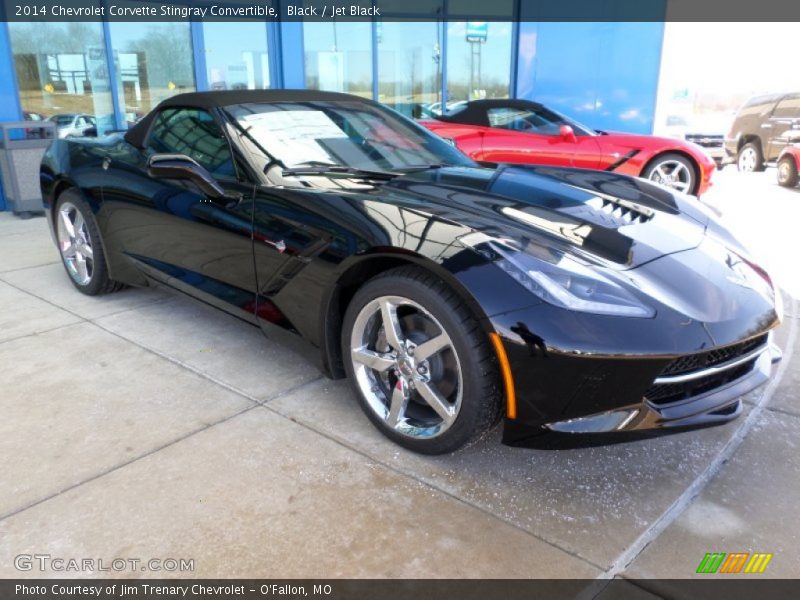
{"x": 143, "y": 425}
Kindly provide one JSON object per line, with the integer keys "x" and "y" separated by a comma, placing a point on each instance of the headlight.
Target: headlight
{"x": 567, "y": 283}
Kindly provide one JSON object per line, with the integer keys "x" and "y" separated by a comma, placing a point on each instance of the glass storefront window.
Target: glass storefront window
{"x": 338, "y": 57}
{"x": 154, "y": 61}
{"x": 478, "y": 61}
{"x": 236, "y": 56}
{"x": 63, "y": 76}
{"x": 409, "y": 66}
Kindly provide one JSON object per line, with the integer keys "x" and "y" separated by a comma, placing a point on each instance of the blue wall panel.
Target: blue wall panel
{"x": 602, "y": 74}
{"x": 292, "y": 57}
{"x": 9, "y": 99}
{"x": 199, "y": 46}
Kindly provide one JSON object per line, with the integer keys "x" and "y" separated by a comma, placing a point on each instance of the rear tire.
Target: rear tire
{"x": 787, "y": 172}
{"x": 80, "y": 246}
{"x": 750, "y": 158}
{"x": 421, "y": 366}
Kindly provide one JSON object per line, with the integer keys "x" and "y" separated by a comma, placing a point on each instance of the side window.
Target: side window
{"x": 789, "y": 107}
{"x": 194, "y": 133}
{"x": 520, "y": 119}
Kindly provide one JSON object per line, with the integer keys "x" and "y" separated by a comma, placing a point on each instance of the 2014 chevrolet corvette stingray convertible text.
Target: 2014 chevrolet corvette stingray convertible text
{"x": 451, "y": 295}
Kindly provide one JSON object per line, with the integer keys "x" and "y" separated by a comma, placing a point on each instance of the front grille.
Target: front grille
{"x": 712, "y": 358}
{"x": 706, "y": 141}
{"x": 667, "y": 393}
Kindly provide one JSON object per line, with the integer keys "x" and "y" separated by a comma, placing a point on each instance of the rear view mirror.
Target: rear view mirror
{"x": 179, "y": 166}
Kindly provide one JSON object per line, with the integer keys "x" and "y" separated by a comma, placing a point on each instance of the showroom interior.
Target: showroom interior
{"x": 146, "y": 424}
{"x": 116, "y": 72}
{"x": 628, "y": 76}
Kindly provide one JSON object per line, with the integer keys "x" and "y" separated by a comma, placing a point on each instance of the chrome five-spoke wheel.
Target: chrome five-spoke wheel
{"x": 406, "y": 367}
{"x": 673, "y": 172}
{"x": 79, "y": 242}
{"x": 74, "y": 243}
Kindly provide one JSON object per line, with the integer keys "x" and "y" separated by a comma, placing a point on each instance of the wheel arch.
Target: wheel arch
{"x": 747, "y": 139}
{"x": 59, "y": 187}
{"x": 680, "y": 152}
{"x": 357, "y": 274}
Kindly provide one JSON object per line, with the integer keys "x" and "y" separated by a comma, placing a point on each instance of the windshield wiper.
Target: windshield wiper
{"x": 339, "y": 171}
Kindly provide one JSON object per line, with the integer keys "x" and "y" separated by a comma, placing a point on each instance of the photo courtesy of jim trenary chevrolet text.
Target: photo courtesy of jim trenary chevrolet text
{"x": 348, "y": 299}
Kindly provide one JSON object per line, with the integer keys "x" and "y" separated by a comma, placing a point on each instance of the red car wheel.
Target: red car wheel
{"x": 787, "y": 172}
{"x": 672, "y": 170}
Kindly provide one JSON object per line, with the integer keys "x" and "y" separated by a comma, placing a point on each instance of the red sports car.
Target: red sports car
{"x": 788, "y": 164}
{"x": 525, "y": 132}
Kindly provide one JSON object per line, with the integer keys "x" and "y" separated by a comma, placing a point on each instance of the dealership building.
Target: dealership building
{"x": 110, "y": 74}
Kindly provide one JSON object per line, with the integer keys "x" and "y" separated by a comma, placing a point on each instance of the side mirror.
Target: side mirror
{"x": 179, "y": 166}
{"x": 567, "y": 133}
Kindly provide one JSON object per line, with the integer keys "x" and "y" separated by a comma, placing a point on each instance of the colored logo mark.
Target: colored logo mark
{"x": 735, "y": 562}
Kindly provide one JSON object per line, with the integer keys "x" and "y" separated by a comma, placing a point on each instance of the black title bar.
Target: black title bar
{"x": 394, "y": 589}
{"x": 392, "y": 10}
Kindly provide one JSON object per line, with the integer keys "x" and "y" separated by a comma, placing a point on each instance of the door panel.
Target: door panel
{"x": 532, "y": 135}
{"x": 288, "y": 233}
{"x": 785, "y": 118}
{"x": 537, "y": 149}
{"x": 170, "y": 229}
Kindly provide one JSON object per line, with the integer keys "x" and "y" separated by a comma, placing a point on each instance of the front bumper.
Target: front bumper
{"x": 718, "y": 405}
{"x": 592, "y": 389}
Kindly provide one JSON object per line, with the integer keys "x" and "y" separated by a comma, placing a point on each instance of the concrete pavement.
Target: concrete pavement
{"x": 128, "y": 430}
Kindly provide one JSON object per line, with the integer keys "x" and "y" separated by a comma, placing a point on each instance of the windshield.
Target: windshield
{"x": 577, "y": 127}
{"x": 354, "y": 134}
{"x": 532, "y": 119}
{"x": 63, "y": 119}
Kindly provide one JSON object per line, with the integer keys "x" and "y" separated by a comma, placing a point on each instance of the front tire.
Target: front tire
{"x": 673, "y": 170}
{"x": 787, "y": 172}
{"x": 418, "y": 361}
{"x": 750, "y": 159}
{"x": 80, "y": 247}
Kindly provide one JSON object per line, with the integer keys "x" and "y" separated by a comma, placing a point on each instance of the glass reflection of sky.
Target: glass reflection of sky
{"x": 236, "y": 55}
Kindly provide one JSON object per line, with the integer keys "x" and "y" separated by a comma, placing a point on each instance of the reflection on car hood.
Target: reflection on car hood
{"x": 611, "y": 219}
{"x": 714, "y": 285}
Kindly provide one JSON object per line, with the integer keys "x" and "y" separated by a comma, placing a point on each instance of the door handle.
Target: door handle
{"x": 227, "y": 201}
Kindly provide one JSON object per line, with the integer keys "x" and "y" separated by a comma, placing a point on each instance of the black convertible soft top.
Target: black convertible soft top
{"x": 137, "y": 134}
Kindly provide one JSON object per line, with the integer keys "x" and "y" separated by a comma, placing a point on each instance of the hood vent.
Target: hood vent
{"x": 625, "y": 211}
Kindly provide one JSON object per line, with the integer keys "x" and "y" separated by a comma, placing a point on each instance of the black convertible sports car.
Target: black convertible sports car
{"x": 451, "y": 295}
